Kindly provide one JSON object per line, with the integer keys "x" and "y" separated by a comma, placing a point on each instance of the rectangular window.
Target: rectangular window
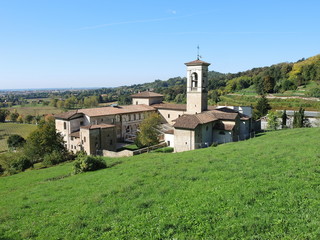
{"x": 64, "y": 125}
{"x": 71, "y": 138}
{"x": 168, "y": 115}
{"x": 84, "y": 139}
{"x": 168, "y": 143}
{"x": 137, "y": 103}
{"x": 81, "y": 123}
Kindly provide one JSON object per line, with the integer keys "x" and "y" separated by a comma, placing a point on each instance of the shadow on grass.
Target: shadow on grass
{"x": 260, "y": 134}
{"x": 114, "y": 164}
{"x": 58, "y": 177}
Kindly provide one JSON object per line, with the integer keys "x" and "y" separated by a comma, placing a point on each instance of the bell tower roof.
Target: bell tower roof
{"x": 197, "y": 63}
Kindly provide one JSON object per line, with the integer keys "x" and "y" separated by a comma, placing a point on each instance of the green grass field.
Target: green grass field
{"x": 7, "y": 129}
{"x": 264, "y": 188}
{"x": 35, "y": 110}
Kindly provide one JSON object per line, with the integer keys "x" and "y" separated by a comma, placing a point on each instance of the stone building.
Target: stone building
{"x": 184, "y": 126}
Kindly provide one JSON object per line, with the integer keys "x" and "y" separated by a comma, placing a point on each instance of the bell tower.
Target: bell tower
{"x": 197, "y": 86}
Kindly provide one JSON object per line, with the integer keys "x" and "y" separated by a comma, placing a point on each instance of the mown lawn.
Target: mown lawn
{"x": 7, "y": 129}
{"x": 264, "y": 188}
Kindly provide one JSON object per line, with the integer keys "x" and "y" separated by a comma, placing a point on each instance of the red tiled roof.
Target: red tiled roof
{"x": 225, "y": 114}
{"x": 98, "y": 126}
{"x": 146, "y": 95}
{"x": 175, "y": 106}
{"x": 68, "y": 115}
{"x": 170, "y": 106}
{"x": 191, "y": 121}
{"x": 197, "y": 63}
{"x": 104, "y": 111}
{"x": 169, "y": 131}
{"x": 75, "y": 134}
{"x": 224, "y": 126}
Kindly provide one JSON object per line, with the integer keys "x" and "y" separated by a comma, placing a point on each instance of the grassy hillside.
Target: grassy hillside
{"x": 7, "y": 129}
{"x": 263, "y": 188}
{"x": 275, "y": 103}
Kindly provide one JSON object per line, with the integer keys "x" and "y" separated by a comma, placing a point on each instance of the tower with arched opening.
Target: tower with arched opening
{"x": 197, "y": 86}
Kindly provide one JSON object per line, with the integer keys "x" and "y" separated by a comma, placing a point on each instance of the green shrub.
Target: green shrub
{"x": 54, "y": 158}
{"x": 214, "y": 144}
{"x": 15, "y": 141}
{"x": 314, "y": 92}
{"x": 20, "y": 163}
{"x": 164, "y": 150}
{"x": 88, "y": 163}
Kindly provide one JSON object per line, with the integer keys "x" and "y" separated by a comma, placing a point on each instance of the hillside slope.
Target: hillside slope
{"x": 264, "y": 188}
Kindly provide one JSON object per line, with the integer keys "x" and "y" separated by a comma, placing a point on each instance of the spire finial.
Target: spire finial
{"x": 198, "y": 55}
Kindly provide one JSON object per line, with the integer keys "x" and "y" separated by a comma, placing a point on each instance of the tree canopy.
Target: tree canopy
{"x": 44, "y": 140}
{"x": 148, "y": 134}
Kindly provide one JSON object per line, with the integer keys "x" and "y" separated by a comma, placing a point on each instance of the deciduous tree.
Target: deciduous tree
{"x": 149, "y": 130}
{"x": 44, "y": 140}
{"x": 3, "y": 114}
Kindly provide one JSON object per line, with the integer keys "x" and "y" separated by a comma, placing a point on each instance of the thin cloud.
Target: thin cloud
{"x": 139, "y": 21}
{"x": 174, "y": 12}
{"x": 197, "y": 33}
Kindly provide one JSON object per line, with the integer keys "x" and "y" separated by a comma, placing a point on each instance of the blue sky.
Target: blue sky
{"x": 91, "y": 43}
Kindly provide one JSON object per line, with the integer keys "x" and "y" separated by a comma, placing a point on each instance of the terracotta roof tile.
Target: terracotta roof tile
{"x": 146, "y": 95}
{"x": 68, "y": 115}
{"x": 104, "y": 111}
{"x": 170, "y": 106}
{"x": 169, "y": 131}
{"x": 224, "y": 126}
{"x": 225, "y": 114}
{"x": 191, "y": 121}
{"x": 175, "y": 106}
{"x": 98, "y": 126}
{"x": 197, "y": 63}
{"x": 75, "y": 134}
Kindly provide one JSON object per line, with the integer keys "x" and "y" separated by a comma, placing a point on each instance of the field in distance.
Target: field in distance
{"x": 7, "y": 129}
{"x": 263, "y": 188}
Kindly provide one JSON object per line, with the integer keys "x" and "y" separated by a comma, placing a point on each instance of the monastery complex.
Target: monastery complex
{"x": 184, "y": 126}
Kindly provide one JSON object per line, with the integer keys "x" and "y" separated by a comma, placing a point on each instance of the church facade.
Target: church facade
{"x": 184, "y": 126}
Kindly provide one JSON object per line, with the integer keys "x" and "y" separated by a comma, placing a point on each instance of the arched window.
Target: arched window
{"x": 194, "y": 80}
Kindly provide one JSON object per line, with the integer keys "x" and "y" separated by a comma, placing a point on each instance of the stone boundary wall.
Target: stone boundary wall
{"x": 128, "y": 153}
{"x": 124, "y": 153}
